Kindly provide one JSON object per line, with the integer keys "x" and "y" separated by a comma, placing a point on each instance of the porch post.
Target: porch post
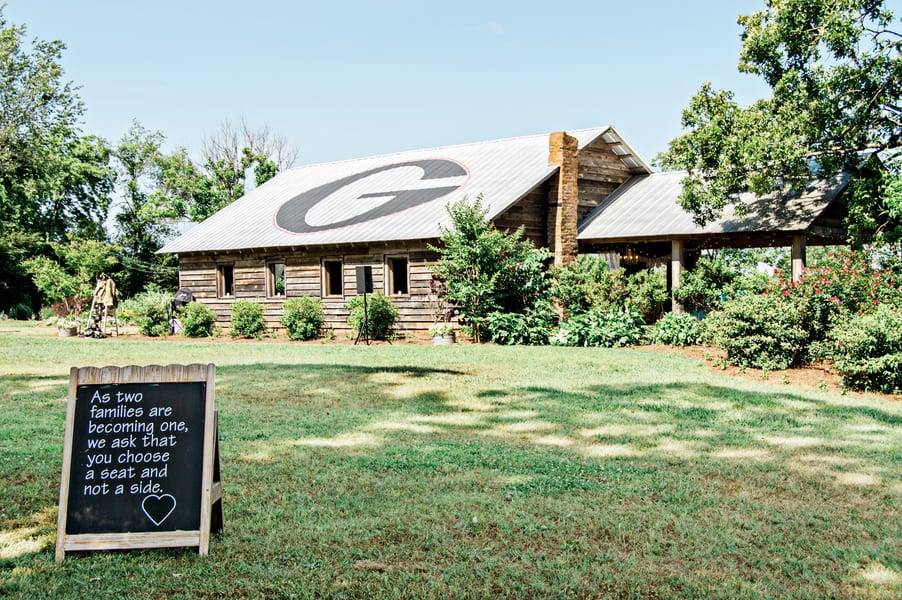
{"x": 677, "y": 258}
{"x": 798, "y": 256}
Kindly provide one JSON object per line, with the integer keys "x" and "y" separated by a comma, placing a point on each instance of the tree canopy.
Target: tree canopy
{"x": 835, "y": 73}
{"x": 57, "y": 183}
{"x": 53, "y": 179}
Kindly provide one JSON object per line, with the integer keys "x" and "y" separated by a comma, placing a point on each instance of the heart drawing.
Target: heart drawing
{"x": 158, "y": 508}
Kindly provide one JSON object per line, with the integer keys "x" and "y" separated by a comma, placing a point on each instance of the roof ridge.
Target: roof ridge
{"x": 603, "y": 128}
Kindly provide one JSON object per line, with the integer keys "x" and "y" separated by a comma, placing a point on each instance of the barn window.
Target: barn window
{"x": 332, "y": 278}
{"x": 397, "y": 279}
{"x": 225, "y": 280}
{"x": 275, "y": 279}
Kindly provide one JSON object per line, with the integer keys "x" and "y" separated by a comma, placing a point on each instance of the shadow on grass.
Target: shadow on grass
{"x": 13, "y": 385}
{"x": 832, "y": 438}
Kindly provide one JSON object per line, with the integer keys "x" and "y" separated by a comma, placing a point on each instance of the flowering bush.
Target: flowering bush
{"x": 843, "y": 285}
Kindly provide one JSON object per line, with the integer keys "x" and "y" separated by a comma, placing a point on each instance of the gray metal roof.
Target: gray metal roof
{"x": 392, "y": 197}
{"x": 647, "y": 206}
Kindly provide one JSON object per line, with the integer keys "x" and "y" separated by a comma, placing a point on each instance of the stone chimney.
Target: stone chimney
{"x": 563, "y": 151}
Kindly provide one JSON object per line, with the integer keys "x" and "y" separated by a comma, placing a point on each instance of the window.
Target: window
{"x": 397, "y": 276}
{"x": 225, "y": 280}
{"x": 275, "y": 279}
{"x": 332, "y": 278}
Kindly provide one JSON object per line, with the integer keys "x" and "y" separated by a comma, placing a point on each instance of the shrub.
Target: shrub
{"x": 197, "y": 320}
{"x": 587, "y": 283}
{"x": 382, "y": 314}
{"x": 703, "y": 288}
{"x": 303, "y": 317}
{"x": 844, "y": 283}
{"x": 677, "y": 330}
{"x": 441, "y": 329}
{"x": 867, "y": 350}
{"x": 532, "y": 327}
{"x": 46, "y": 313}
{"x": 20, "y": 311}
{"x": 247, "y": 319}
{"x": 55, "y": 284}
{"x": 595, "y": 327}
{"x": 762, "y": 331}
{"x": 149, "y": 310}
{"x": 485, "y": 270}
{"x": 647, "y": 293}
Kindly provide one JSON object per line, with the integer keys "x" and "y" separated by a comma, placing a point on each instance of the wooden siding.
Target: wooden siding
{"x": 531, "y": 212}
{"x": 600, "y": 173}
{"x": 303, "y": 276}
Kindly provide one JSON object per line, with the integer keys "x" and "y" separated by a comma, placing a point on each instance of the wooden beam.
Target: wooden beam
{"x": 798, "y": 256}
{"x": 677, "y": 260}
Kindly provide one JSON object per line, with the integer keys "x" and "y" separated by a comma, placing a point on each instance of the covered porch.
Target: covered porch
{"x": 644, "y": 224}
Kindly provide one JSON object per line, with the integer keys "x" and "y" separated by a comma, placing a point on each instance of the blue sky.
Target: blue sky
{"x": 342, "y": 80}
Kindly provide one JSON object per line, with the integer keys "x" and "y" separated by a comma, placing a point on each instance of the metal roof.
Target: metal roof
{"x": 392, "y": 197}
{"x": 647, "y": 206}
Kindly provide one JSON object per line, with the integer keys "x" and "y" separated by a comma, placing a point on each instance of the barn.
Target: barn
{"x": 306, "y": 230}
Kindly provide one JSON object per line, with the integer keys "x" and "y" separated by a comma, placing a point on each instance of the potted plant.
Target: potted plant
{"x": 442, "y": 334}
{"x": 66, "y": 327}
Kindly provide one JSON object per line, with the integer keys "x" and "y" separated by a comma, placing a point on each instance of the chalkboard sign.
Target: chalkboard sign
{"x": 140, "y": 464}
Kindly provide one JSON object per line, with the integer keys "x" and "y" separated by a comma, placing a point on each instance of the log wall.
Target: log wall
{"x": 600, "y": 173}
{"x": 303, "y": 276}
{"x": 531, "y": 212}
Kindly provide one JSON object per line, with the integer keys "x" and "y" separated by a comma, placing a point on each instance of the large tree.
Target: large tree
{"x": 232, "y": 150}
{"x": 187, "y": 189}
{"x": 141, "y": 222}
{"x": 54, "y": 180}
{"x": 158, "y": 188}
{"x": 835, "y": 72}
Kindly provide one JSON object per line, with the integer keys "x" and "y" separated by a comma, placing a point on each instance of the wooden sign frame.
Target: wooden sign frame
{"x": 211, "y": 486}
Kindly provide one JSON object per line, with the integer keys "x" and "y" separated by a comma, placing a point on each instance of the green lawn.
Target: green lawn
{"x": 418, "y": 471}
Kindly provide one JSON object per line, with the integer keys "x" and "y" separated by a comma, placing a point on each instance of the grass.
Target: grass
{"x": 417, "y": 471}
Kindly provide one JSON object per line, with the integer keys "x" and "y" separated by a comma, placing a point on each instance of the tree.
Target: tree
{"x": 194, "y": 191}
{"x": 835, "y": 73}
{"x": 485, "y": 270}
{"x": 52, "y": 179}
{"x": 69, "y": 279}
{"x": 231, "y": 151}
{"x": 141, "y": 220}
